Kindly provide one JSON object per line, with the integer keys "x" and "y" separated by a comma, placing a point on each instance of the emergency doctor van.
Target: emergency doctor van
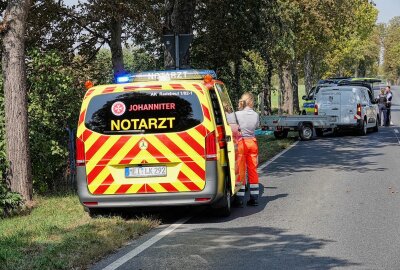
{"x": 158, "y": 139}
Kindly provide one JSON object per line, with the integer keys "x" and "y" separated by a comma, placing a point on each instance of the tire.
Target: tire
{"x": 303, "y": 113}
{"x": 306, "y": 132}
{"x": 319, "y": 132}
{"x": 376, "y": 127}
{"x": 363, "y": 129}
{"x": 224, "y": 205}
{"x": 281, "y": 134}
{"x": 98, "y": 212}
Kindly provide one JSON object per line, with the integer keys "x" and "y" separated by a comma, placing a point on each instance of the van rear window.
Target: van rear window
{"x": 144, "y": 112}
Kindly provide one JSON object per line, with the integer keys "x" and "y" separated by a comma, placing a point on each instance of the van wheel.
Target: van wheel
{"x": 279, "y": 135}
{"x": 363, "y": 129}
{"x": 376, "y": 127}
{"x": 319, "y": 132}
{"x": 306, "y": 132}
{"x": 224, "y": 204}
{"x": 98, "y": 212}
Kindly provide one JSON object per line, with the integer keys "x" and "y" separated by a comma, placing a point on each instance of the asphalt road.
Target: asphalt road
{"x": 330, "y": 203}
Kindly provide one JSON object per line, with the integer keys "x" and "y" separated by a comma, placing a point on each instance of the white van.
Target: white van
{"x": 354, "y": 106}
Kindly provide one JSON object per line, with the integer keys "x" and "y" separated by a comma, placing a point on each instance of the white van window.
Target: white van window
{"x": 330, "y": 98}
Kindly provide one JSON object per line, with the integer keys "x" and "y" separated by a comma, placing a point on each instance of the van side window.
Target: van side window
{"x": 216, "y": 108}
{"x": 227, "y": 105}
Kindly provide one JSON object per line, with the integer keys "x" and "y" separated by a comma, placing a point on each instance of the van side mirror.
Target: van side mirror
{"x": 304, "y": 97}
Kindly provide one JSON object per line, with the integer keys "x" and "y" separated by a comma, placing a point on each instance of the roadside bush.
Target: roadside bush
{"x": 54, "y": 103}
{"x": 10, "y": 202}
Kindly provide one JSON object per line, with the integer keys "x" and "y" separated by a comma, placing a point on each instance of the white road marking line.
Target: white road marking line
{"x": 277, "y": 156}
{"x": 396, "y": 131}
{"x": 146, "y": 244}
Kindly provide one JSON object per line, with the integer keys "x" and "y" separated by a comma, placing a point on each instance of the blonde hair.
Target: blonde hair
{"x": 248, "y": 98}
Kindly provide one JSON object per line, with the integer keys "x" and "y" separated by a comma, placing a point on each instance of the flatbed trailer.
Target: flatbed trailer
{"x": 304, "y": 124}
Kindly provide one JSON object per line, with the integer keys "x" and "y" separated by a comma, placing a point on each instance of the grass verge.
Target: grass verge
{"x": 58, "y": 234}
{"x": 268, "y": 147}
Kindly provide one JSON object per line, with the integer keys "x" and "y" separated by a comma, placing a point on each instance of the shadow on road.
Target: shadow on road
{"x": 264, "y": 248}
{"x": 344, "y": 152}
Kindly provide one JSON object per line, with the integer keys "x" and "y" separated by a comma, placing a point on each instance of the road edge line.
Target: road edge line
{"x": 139, "y": 249}
{"x": 266, "y": 164}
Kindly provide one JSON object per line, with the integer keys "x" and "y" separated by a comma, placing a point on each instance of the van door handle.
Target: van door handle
{"x": 228, "y": 138}
{"x": 335, "y": 109}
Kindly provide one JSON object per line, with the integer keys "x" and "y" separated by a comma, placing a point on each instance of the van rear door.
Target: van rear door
{"x": 329, "y": 103}
{"x": 146, "y": 141}
{"x": 349, "y": 102}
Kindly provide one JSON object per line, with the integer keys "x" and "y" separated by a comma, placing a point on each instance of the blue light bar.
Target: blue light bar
{"x": 166, "y": 75}
{"x": 124, "y": 79}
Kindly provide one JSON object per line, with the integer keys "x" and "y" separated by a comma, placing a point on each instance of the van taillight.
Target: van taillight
{"x": 80, "y": 152}
{"x": 211, "y": 146}
{"x": 315, "y": 109}
{"x": 358, "y": 109}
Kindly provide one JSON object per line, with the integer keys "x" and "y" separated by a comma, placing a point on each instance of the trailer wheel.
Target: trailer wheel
{"x": 306, "y": 132}
{"x": 281, "y": 134}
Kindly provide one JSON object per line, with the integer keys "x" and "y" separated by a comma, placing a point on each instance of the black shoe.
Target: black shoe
{"x": 238, "y": 203}
{"x": 252, "y": 202}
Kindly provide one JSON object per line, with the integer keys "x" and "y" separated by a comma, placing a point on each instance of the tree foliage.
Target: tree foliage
{"x": 392, "y": 51}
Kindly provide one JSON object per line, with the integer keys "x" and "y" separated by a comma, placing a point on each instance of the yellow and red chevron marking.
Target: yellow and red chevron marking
{"x": 123, "y": 151}
{"x": 107, "y": 156}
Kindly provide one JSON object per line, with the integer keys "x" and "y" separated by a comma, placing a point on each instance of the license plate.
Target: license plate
{"x": 146, "y": 171}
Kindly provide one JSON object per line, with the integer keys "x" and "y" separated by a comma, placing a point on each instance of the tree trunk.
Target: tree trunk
{"x": 179, "y": 19}
{"x": 267, "y": 87}
{"x": 295, "y": 86}
{"x": 308, "y": 78}
{"x": 116, "y": 46}
{"x": 237, "y": 86}
{"x": 287, "y": 90}
{"x": 15, "y": 94}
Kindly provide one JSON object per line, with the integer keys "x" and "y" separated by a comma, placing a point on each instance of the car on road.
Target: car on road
{"x": 309, "y": 100}
{"x": 353, "y": 103}
{"x": 158, "y": 139}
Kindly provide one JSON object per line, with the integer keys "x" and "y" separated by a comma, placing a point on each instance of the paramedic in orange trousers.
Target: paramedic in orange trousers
{"x": 248, "y": 121}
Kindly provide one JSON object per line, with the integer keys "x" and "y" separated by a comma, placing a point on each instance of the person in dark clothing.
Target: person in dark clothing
{"x": 389, "y": 97}
{"x": 382, "y": 100}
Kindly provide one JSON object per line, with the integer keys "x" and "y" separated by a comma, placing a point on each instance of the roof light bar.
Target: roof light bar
{"x": 190, "y": 74}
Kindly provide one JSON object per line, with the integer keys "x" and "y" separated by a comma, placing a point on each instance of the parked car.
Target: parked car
{"x": 353, "y": 103}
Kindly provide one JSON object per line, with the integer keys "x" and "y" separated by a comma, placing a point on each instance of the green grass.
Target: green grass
{"x": 274, "y": 97}
{"x": 58, "y": 234}
{"x": 268, "y": 147}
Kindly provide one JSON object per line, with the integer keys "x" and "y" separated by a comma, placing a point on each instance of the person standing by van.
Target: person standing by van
{"x": 389, "y": 97}
{"x": 382, "y": 100}
{"x": 248, "y": 121}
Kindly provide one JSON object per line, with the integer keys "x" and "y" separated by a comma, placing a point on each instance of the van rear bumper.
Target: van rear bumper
{"x": 210, "y": 191}
{"x": 356, "y": 125}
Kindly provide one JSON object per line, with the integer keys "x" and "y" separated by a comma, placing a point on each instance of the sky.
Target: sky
{"x": 387, "y": 9}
